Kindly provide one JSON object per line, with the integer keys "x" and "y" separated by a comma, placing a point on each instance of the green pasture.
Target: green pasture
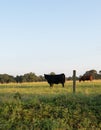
{"x": 37, "y": 106}
{"x": 43, "y": 88}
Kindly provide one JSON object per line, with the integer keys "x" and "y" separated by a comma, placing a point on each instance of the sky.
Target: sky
{"x": 44, "y": 36}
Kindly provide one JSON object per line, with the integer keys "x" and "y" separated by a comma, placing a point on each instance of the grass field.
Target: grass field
{"x": 36, "y": 106}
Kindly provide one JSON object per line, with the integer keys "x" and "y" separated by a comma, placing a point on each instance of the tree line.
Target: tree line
{"x": 32, "y": 77}
{"x": 28, "y": 77}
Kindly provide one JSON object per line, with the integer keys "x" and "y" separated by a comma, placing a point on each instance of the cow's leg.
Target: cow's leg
{"x": 62, "y": 84}
{"x": 51, "y": 85}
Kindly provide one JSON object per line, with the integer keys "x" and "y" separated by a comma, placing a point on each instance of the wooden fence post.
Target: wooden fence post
{"x": 74, "y": 81}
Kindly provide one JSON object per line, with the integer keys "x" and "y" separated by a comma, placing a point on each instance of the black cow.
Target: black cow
{"x": 86, "y": 77}
{"x": 55, "y": 79}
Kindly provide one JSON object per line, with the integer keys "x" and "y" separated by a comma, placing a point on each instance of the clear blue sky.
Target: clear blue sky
{"x": 44, "y": 36}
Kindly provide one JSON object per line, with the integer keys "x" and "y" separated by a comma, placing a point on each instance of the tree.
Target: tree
{"x": 92, "y": 72}
{"x": 100, "y": 72}
{"x": 5, "y": 78}
{"x": 19, "y": 79}
{"x": 41, "y": 78}
{"x": 52, "y": 73}
{"x": 30, "y": 77}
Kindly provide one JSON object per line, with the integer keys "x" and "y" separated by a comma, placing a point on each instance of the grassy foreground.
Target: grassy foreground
{"x": 36, "y": 106}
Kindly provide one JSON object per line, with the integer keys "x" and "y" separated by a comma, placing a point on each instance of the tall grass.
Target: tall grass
{"x": 36, "y": 106}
